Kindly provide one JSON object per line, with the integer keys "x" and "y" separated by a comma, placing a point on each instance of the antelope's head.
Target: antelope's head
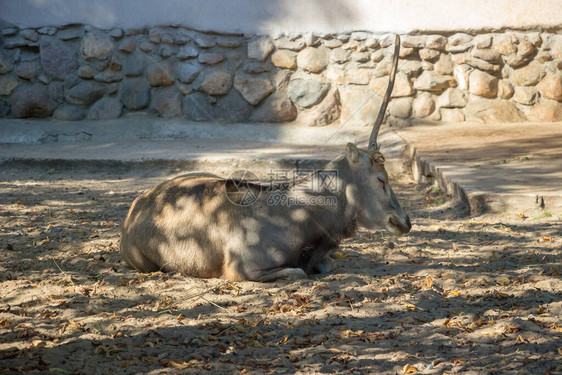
{"x": 371, "y": 194}
{"x": 370, "y": 191}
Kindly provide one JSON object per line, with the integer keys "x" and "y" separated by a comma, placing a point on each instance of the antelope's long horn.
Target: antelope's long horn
{"x": 373, "y": 145}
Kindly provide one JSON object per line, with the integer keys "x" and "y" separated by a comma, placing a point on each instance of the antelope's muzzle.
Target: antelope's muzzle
{"x": 399, "y": 225}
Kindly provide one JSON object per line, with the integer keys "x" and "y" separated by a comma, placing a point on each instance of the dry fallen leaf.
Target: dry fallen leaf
{"x": 46, "y": 314}
{"x": 556, "y": 328}
{"x": 74, "y": 326}
{"x": 38, "y": 343}
{"x": 500, "y": 295}
{"x": 340, "y": 255}
{"x": 179, "y": 364}
{"x": 342, "y": 358}
{"x": 85, "y": 291}
{"x": 453, "y": 324}
{"x": 409, "y": 369}
{"x": 453, "y": 293}
{"x": 545, "y": 239}
{"x": 511, "y": 329}
{"x": 428, "y": 282}
{"x": 351, "y": 333}
{"x": 409, "y": 306}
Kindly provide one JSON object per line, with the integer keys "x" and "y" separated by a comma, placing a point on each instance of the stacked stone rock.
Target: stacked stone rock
{"x": 77, "y": 72}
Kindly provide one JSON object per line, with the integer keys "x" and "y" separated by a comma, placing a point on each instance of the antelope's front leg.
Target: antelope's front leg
{"x": 320, "y": 261}
{"x": 324, "y": 265}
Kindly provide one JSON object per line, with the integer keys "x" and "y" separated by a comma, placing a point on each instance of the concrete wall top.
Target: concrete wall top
{"x": 289, "y": 16}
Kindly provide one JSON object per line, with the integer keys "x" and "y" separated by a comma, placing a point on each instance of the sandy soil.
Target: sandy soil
{"x": 472, "y": 295}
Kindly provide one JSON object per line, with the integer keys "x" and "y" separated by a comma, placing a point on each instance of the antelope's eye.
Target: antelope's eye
{"x": 383, "y": 183}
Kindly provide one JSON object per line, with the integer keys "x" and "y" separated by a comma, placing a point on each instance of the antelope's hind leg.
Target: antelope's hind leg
{"x": 137, "y": 260}
{"x": 257, "y": 266}
{"x": 280, "y": 273}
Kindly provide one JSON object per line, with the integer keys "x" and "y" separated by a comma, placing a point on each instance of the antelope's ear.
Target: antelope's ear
{"x": 352, "y": 153}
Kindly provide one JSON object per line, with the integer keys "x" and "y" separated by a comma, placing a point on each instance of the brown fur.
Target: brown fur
{"x": 189, "y": 225}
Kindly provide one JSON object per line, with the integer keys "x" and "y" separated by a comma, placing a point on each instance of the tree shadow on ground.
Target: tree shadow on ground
{"x": 434, "y": 299}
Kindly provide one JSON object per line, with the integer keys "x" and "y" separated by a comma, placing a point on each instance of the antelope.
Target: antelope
{"x": 202, "y": 225}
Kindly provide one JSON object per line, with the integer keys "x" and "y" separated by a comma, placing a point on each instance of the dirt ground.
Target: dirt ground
{"x": 457, "y": 295}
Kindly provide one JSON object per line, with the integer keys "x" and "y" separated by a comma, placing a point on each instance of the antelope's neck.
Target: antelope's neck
{"x": 328, "y": 206}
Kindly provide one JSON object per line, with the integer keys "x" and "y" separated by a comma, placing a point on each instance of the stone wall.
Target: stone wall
{"x": 78, "y": 72}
